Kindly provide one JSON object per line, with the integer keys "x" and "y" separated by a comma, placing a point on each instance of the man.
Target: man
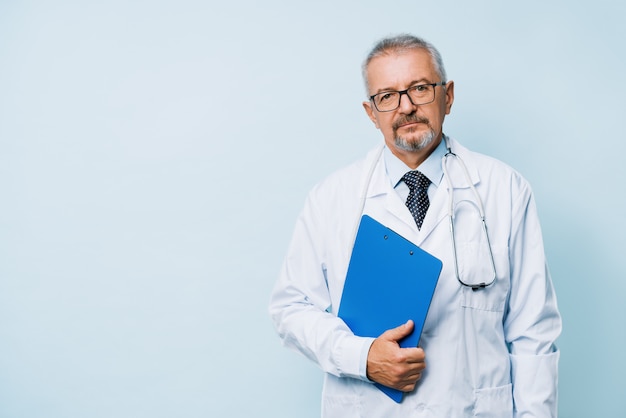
{"x": 486, "y": 350}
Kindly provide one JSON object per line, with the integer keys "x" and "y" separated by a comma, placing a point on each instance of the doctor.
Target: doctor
{"x": 487, "y": 347}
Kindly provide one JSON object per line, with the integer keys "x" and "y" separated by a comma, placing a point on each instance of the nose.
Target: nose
{"x": 406, "y": 105}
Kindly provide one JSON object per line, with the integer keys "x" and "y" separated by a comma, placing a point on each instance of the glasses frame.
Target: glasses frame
{"x": 401, "y": 92}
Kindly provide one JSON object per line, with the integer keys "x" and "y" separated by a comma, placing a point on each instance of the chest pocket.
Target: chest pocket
{"x": 475, "y": 267}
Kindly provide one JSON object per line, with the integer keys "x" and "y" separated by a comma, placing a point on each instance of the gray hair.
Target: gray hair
{"x": 403, "y": 43}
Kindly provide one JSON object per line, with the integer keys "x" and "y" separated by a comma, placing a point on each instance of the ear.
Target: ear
{"x": 370, "y": 113}
{"x": 449, "y": 96}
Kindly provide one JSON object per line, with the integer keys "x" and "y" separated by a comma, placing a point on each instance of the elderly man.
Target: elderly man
{"x": 487, "y": 345}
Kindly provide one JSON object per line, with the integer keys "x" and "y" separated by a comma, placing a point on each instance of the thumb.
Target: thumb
{"x": 400, "y": 332}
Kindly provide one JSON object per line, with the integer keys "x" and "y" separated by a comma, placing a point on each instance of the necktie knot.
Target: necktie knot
{"x": 417, "y": 202}
{"x": 416, "y": 180}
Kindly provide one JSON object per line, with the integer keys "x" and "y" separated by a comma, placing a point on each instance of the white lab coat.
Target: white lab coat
{"x": 489, "y": 353}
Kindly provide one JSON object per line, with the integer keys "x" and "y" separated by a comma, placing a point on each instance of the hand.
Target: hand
{"x": 393, "y": 366}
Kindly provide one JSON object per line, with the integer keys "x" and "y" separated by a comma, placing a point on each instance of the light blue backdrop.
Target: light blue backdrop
{"x": 154, "y": 156}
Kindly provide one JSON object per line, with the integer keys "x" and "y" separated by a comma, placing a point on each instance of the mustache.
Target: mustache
{"x": 410, "y": 119}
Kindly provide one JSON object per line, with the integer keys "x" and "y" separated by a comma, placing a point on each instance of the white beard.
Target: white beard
{"x": 415, "y": 145}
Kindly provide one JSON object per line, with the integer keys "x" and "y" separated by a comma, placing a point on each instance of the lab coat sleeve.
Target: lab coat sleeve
{"x": 300, "y": 304}
{"x": 532, "y": 322}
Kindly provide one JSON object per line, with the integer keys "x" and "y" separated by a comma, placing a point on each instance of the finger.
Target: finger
{"x": 414, "y": 369}
{"x": 415, "y": 376}
{"x": 399, "y": 332}
{"x": 409, "y": 383}
{"x": 415, "y": 355}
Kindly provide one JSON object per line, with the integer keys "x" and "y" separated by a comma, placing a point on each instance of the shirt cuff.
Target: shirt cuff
{"x": 351, "y": 357}
{"x": 363, "y": 362}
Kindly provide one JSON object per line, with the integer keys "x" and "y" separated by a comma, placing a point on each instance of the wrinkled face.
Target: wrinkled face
{"x": 410, "y": 131}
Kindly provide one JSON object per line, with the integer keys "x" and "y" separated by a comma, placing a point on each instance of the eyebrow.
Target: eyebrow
{"x": 422, "y": 80}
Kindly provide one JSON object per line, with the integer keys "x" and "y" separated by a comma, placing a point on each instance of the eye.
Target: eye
{"x": 387, "y": 100}
{"x": 385, "y": 97}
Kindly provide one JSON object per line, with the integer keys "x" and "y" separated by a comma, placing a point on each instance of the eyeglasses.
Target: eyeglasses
{"x": 419, "y": 94}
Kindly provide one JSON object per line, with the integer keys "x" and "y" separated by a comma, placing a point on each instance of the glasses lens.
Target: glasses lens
{"x": 422, "y": 94}
{"x": 387, "y": 101}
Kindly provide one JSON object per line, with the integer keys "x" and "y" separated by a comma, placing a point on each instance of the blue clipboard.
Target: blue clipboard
{"x": 389, "y": 281}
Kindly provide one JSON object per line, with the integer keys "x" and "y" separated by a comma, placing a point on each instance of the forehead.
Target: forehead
{"x": 398, "y": 70}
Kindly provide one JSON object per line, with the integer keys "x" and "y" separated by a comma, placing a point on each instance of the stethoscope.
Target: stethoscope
{"x": 477, "y": 204}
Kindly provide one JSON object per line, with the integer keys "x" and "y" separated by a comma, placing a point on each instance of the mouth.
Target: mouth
{"x": 410, "y": 123}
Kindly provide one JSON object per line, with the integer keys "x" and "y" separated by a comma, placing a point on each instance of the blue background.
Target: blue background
{"x": 154, "y": 156}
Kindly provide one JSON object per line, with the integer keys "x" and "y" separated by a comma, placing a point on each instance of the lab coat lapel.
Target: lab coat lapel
{"x": 384, "y": 205}
{"x": 436, "y": 213}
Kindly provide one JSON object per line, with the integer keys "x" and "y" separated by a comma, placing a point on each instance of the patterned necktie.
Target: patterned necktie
{"x": 417, "y": 202}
